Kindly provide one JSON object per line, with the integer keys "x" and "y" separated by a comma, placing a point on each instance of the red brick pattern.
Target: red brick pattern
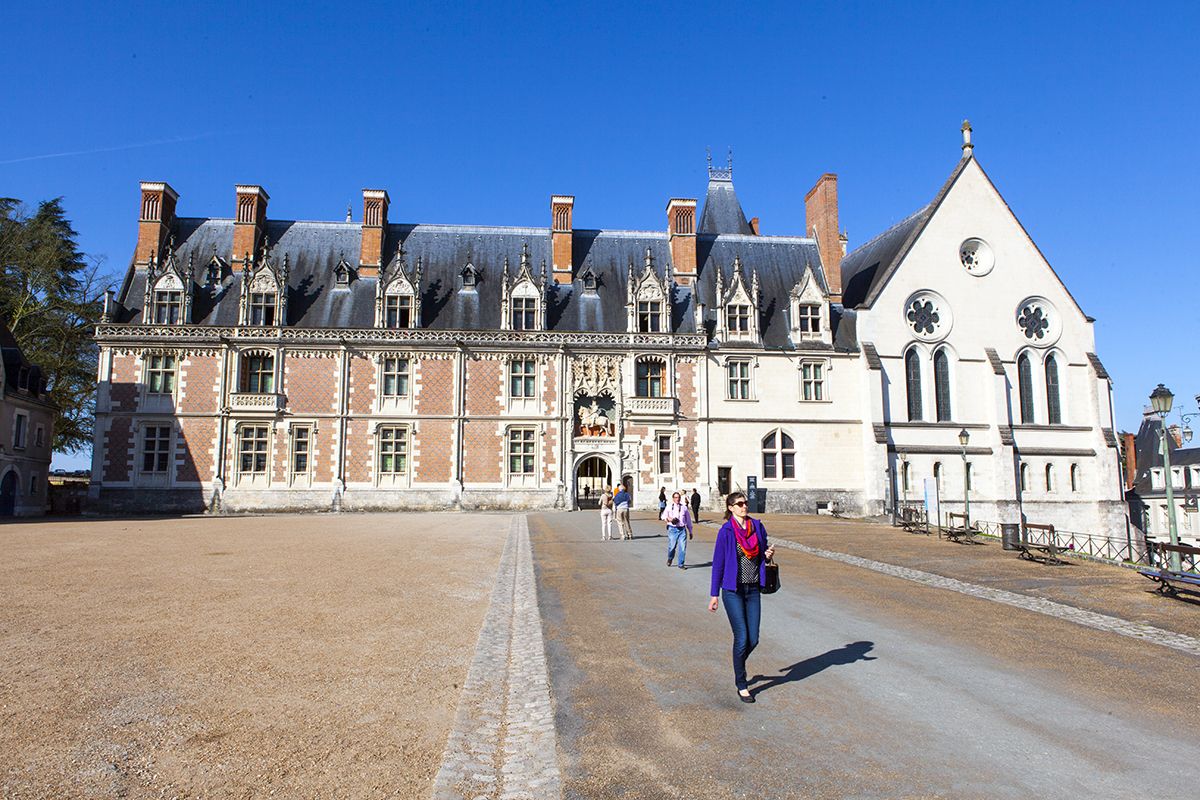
{"x": 485, "y": 387}
{"x": 363, "y": 373}
{"x": 483, "y": 451}
{"x": 311, "y": 384}
{"x": 199, "y": 388}
{"x": 685, "y": 389}
{"x": 118, "y": 442}
{"x": 689, "y": 456}
{"x": 360, "y": 449}
{"x": 193, "y": 453}
{"x": 550, "y": 452}
{"x": 435, "y": 443}
{"x": 124, "y": 389}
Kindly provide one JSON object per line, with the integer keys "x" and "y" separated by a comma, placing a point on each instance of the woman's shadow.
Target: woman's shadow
{"x": 847, "y": 654}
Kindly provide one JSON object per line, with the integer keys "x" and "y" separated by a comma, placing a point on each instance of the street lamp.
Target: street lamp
{"x": 963, "y": 438}
{"x": 1161, "y": 400}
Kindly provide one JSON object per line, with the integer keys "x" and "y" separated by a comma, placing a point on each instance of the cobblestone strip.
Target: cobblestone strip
{"x": 503, "y": 744}
{"x": 1090, "y": 619}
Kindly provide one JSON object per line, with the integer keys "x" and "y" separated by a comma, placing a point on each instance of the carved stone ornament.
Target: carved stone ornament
{"x": 596, "y": 374}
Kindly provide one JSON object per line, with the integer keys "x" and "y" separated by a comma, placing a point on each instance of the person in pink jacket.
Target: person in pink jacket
{"x": 678, "y": 517}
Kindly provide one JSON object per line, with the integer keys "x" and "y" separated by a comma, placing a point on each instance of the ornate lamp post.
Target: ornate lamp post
{"x": 963, "y": 438}
{"x": 1161, "y": 400}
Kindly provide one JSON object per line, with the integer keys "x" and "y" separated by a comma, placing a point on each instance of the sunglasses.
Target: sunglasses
{"x": 739, "y": 503}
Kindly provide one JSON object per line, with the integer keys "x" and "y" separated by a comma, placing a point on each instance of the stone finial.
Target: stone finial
{"x": 967, "y": 147}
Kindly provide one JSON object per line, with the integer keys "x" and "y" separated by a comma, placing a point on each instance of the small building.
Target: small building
{"x": 1148, "y": 495}
{"x": 26, "y": 432}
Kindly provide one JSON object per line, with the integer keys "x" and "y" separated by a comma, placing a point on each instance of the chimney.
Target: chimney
{"x": 821, "y": 213}
{"x": 374, "y": 232}
{"x": 250, "y": 221}
{"x": 562, "y": 208}
{"x": 968, "y": 148}
{"x": 681, "y": 229}
{"x": 1129, "y": 450}
{"x": 1176, "y": 435}
{"x": 754, "y": 227}
{"x": 155, "y": 221}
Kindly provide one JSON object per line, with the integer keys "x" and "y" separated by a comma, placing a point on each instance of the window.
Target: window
{"x": 1053, "y": 404}
{"x": 1024, "y": 477}
{"x": 812, "y": 380}
{"x": 252, "y": 449}
{"x": 156, "y": 448}
{"x": 393, "y": 450}
{"x": 650, "y": 378}
{"x": 262, "y": 308}
{"x": 664, "y": 454}
{"x": 1025, "y": 388}
{"x": 259, "y": 375}
{"x": 912, "y": 380}
{"x": 33, "y": 484}
{"x": 20, "y": 431}
{"x": 941, "y": 385}
{"x": 395, "y": 377}
{"x": 1050, "y": 478}
{"x": 521, "y": 378}
{"x": 301, "y": 450}
{"x": 39, "y": 436}
{"x": 739, "y": 380}
{"x": 397, "y": 311}
{"x": 937, "y": 476}
{"x": 168, "y": 306}
{"x": 523, "y": 311}
{"x": 520, "y": 451}
{"x": 808, "y": 321}
{"x": 1156, "y": 478}
{"x": 1074, "y": 477}
{"x": 160, "y": 374}
{"x": 905, "y": 477}
{"x": 778, "y": 456}
{"x": 737, "y": 318}
{"x": 649, "y": 316}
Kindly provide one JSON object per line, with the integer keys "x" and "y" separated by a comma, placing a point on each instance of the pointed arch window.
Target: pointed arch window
{"x": 778, "y": 456}
{"x": 1053, "y": 401}
{"x": 941, "y": 385}
{"x": 912, "y": 383}
{"x": 1050, "y": 478}
{"x": 1025, "y": 388}
{"x": 1074, "y": 477}
{"x": 1024, "y": 477}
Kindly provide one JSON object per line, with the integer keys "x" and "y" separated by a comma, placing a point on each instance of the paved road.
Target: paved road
{"x": 871, "y": 686}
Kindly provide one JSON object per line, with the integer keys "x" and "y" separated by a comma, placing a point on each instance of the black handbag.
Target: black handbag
{"x": 770, "y": 577}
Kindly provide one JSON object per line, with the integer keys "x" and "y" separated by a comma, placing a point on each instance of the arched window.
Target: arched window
{"x": 912, "y": 382}
{"x": 941, "y": 385}
{"x": 650, "y": 377}
{"x": 778, "y": 456}
{"x": 1074, "y": 477}
{"x": 1049, "y": 477}
{"x": 1053, "y": 406}
{"x": 937, "y": 476}
{"x": 905, "y": 477}
{"x": 1025, "y": 388}
{"x": 1024, "y": 477}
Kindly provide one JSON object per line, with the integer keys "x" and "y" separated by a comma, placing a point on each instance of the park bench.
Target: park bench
{"x": 1170, "y": 582}
{"x": 914, "y": 520}
{"x": 1046, "y": 550}
{"x": 960, "y": 532}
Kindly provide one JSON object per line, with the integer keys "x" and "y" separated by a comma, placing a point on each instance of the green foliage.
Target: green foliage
{"x": 50, "y": 297}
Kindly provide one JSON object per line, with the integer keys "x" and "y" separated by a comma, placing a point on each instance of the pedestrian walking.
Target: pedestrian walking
{"x": 662, "y": 500}
{"x": 738, "y": 573}
{"x": 678, "y": 517}
{"x": 621, "y": 502}
{"x": 695, "y": 500}
{"x": 606, "y": 515}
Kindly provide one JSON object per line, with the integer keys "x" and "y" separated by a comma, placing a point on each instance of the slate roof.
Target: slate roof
{"x": 17, "y": 367}
{"x": 315, "y": 248}
{"x": 1146, "y": 446}
{"x": 722, "y": 211}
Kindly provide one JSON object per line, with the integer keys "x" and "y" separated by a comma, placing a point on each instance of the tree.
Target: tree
{"x": 50, "y": 297}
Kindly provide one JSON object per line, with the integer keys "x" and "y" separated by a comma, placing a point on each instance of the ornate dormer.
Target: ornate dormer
{"x": 648, "y": 298}
{"x": 398, "y": 293}
{"x": 523, "y": 299}
{"x": 808, "y": 311}
{"x": 215, "y": 271}
{"x": 589, "y": 279}
{"x": 738, "y": 306}
{"x": 343, "y": 273}
{"x": 264, "y": 289}
{"x": 168, "y": 298}
{"x": 471, "y": 276}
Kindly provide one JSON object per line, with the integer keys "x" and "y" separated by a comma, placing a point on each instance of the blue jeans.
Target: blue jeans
{"x": 676, "y": 539}
{"x": 743, "y": 608}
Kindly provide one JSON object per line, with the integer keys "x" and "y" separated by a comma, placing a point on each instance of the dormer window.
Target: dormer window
{"x": 262, "y": 308}
{"x": 589, "y": 280}
{"x": 808, "y": 320}
{"x": 264, "y": 291}
{"x": 649, "y": 316}
{"x": 737, "y": 305}
{"x": 470, "y": 278}
{"x": 398, "y": 311}
{"x": 524, "y": 313}
{"x": 168, "y": 307}
{"x": 212, "y": 274}
{"x": 809, "y": 310}
{"x": 343, "y": 273}
{"x": 649, "y": 297}
{"x": 737, "y": 319}
{"x": 397, "y": 294}
{"x": 523, "y": 296}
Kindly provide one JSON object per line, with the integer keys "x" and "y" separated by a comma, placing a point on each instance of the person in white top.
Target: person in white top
{"x": 678, "y": 517}
{"x": 606, "y": 515}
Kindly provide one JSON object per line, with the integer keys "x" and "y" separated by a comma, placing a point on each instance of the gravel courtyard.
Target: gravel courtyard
{"x": 247, "y": 656}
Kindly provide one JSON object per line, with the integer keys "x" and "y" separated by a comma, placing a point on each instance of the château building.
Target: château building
{"x": 249, "y": 363}
{"x": 26, "y": 431}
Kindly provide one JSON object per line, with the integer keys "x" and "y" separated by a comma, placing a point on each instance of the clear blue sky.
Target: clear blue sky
{"x": 1084, "y": 114}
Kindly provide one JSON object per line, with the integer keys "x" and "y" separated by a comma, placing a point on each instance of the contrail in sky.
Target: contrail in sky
{"x": 109, "y": 149}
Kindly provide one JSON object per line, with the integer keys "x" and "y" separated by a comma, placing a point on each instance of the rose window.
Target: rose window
{"x": 923, "y": 316}
{"x": 1033, "y": 321}
{"x": 977, "y": 257}
{"x": 928, "y": 315}
{"x": 1038, "y": 321}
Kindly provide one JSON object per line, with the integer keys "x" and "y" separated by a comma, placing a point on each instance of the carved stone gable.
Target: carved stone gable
{"x": 595, "y": 375}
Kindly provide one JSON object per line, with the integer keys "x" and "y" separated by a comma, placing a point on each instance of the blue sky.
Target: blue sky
{"x": 1084, "y": 116}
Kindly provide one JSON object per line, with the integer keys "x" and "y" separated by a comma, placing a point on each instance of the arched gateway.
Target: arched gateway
{"x": 593, "y": 476}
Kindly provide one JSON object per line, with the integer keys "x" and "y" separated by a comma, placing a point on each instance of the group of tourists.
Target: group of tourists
{"x": 739, "y": 564}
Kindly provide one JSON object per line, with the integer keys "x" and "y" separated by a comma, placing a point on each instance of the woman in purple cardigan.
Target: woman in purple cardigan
{"x": 739, "y": 571}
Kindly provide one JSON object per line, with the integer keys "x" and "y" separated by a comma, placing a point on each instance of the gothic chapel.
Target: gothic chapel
{"x": 253, "y": 364}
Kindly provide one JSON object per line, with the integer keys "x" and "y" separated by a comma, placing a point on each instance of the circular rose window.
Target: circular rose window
{"x": 977, "y": 257}
{"x": 928, "y": 315}
{"x": 1038, "y": 320}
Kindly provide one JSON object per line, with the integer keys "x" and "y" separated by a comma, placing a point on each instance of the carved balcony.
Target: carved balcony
{"x": 651, "y": 406}
{"x": 255, "y": 401}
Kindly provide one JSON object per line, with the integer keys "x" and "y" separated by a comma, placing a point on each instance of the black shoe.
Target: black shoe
{"x": 668, "y": 562}
{"x": 745, "y": 698}
{"x": 681, "y": 566}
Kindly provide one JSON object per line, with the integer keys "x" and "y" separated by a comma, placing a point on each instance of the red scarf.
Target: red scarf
{"x": 747, "y": 540}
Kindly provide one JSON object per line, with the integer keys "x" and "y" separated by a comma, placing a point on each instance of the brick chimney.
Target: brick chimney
{"x": 155, "y": 220}
{"x": 681, "y": 228}
{"x": 821, "y": 222}
{"x": 374, "y": 232}
{"x": 1129, "y": 450}
{"x": 250, "y": 221}
{"x": 754, "y": 227}
{"x": 562, "y": 208}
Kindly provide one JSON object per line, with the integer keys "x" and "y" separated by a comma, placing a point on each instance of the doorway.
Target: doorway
{"x": 724, "y": 480}
{"x": 592, "y": 479}
{"x": 8, "y": 494}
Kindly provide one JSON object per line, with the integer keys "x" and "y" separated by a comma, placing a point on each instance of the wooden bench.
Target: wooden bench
{"x": 1170, "y": 582}
{"x": 1045, "y": 551}
{"x": 961, "y": 533}
{"x": 914, "y": 520}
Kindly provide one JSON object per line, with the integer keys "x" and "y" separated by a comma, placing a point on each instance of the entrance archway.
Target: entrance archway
{"x": 8, "y": 494}
{"x": 592, "y": 478}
